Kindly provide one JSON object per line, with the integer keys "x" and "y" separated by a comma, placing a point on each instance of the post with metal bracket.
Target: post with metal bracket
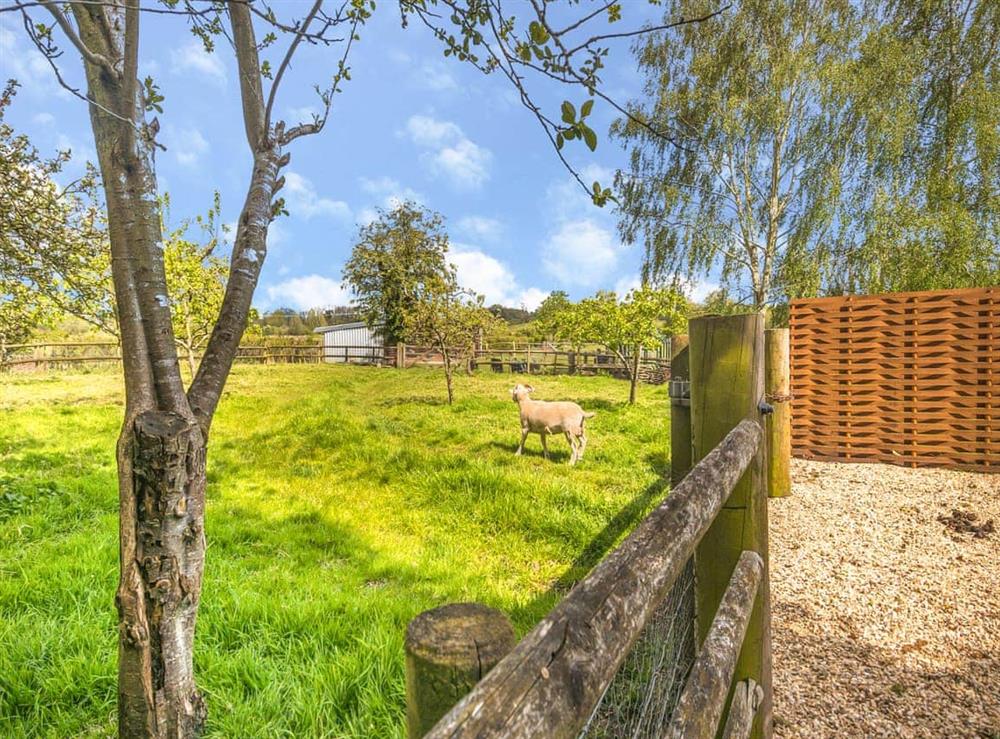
{"x": 727, "y": 386}
{"x": 680, "y": 410}
{"x": 779, "y": 424}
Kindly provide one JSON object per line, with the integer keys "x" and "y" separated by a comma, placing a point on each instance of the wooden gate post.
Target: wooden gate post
{"x": 680, "y": 410}
{"x": 448, "y": 650}
{"x": 727, "y": 385}
{"x": 779, "y": 423}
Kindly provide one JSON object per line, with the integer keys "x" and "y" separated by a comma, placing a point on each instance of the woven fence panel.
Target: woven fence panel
{"x": 903, "y": 378}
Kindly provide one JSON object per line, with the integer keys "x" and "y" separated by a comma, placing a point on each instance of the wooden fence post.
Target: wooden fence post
{"x": 400, "y": 355}
{"x": 727, "y": 384}
{"x": 779, "y": 423}
{"x": 680, "y": 410}
{"x": 448, "y": 650}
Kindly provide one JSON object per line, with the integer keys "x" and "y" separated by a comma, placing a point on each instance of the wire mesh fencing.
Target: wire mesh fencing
{"x": 641, "y": 697}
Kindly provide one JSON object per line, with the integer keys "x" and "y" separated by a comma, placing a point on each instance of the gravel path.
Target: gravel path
{"x": 886, "y": 622}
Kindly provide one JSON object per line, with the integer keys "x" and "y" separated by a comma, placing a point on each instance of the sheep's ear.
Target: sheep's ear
{"x": 529, "y": 388}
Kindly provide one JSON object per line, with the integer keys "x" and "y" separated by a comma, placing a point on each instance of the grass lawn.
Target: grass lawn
{"x": 342, "y": 501}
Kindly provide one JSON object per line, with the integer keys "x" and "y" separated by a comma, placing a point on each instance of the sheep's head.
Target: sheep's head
{"x": 520, "y": 392}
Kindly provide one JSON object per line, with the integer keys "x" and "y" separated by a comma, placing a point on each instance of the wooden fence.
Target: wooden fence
{"x": 525, "y": 360}
{"x": 902, "y": 378}
{"x": 67, "y": 355}
{"x": 554, "y": 681}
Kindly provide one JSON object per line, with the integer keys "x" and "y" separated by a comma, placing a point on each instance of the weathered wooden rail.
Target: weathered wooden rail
{"x": 553, "y": 680}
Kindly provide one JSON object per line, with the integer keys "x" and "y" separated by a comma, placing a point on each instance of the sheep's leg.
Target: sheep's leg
{"x": 581, "y": 440}
{"x": 545, "y": 445}
{"x": 572, "y": 448}
{"x": 520, "y": 448}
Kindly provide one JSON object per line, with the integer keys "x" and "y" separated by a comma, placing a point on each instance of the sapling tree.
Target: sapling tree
{"x": 163, "y": 442}
{"x": 626, "y": 327}
{"x": 450, "y": 320}
{"x": 196, "y": 278}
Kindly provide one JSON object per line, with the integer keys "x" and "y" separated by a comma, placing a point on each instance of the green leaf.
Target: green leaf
{"x": 560, "y": 141}
{"x": 538, "y": 33}
{"x": 586, "y": 108}
{"x": 568, "y": 112}
{"x": 589, "y": 137}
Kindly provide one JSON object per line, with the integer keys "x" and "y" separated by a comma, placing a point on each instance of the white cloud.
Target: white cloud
{"x": 566, "y": 200}
{"x": 388, "y": 191}
{"x": 625, "y": 284}
{"x": 430, "y": 132}
{"x": 451, "y": 154}
{"x": 79, "y": 151}
{"x": 435, "y": 76}
{"x": 187, "y": 145}
{"x": 388, "y": 194}
{"x": 302, "y": 199}
{"x": 193, "y": 57}
{"x": 303, "y": 114}
{"x": 478, "y": 227}
{"x": 491, "y": 278}
{"x": 309, "y": 291}
{"x": 531, "y": 298}
{"x": 698, "y": 290}
{"x": 44, "y": 119}
{"x": 23, "y": 62}
{"x": 580, "y": 253}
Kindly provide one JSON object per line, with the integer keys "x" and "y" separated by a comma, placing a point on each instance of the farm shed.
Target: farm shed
{"x": 351, "y": 342}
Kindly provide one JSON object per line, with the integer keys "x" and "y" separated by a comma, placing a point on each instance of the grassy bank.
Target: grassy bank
{"x": 342, "y": 502}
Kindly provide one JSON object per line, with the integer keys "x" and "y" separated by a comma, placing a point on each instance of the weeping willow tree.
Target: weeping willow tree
{"x": 924, "y": 208}
{"x": 753, "y": 180}
{"x": 825, "y": 147}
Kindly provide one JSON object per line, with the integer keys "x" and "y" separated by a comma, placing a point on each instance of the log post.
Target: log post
{"x": 571, "y": 363}
{"x": 680, "y": 410}
{"x": 448, "y": 650}
{"x": 777, "y": 387}
{"x": 400, "y": 355}
{"x": 727, "y": 386}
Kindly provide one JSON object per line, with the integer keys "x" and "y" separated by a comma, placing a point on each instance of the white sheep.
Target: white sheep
{"x": 544, "y": 418}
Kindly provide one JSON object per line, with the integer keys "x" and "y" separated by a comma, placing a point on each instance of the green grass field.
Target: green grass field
{"x": 342, "y": 501}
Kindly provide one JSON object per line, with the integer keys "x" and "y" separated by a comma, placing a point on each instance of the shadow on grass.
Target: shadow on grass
{"x": 409, "y": 400}
{"x": 624, "y": 521}
{"x": 558, "y": 453}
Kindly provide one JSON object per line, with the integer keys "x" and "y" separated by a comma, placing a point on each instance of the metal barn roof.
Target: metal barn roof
{"x": 339, "y": 327}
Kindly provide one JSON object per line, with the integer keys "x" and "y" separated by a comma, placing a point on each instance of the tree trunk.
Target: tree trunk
{"x": 161, "y": 466}
{"x": 447, "y": 377}
{"x": 634, "y": 376}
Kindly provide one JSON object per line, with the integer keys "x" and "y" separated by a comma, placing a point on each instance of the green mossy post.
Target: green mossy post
{"x": 448, "y": 650}
{"x": 727, "y": 383}
{"x": 777, "y": 386}
{"x": 680, "y": 411}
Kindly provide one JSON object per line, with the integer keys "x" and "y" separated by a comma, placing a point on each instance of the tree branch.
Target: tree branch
{"x": 248, "y": 62}
{"x": 88, "y": 54}
{"x": 299, "y": 34}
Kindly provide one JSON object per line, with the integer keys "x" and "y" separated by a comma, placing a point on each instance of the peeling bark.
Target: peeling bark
{"x": 163, "y": 553}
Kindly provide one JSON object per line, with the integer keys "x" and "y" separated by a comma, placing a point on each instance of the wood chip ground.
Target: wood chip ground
{"x": 886, "y": 621}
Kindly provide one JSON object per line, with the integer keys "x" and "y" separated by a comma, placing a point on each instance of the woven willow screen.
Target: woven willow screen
{"x": 903, "y": 378}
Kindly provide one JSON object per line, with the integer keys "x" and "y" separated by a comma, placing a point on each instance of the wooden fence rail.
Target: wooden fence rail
{"x": 652, "y": 369}
{"x": 552, "y": 682}
{"x": 579, "y": 645}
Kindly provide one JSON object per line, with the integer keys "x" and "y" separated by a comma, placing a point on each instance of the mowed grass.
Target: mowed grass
{"x": 342, "y": 501}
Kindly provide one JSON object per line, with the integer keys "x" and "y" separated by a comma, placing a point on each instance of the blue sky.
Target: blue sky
{"x": 410, "y": 124}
